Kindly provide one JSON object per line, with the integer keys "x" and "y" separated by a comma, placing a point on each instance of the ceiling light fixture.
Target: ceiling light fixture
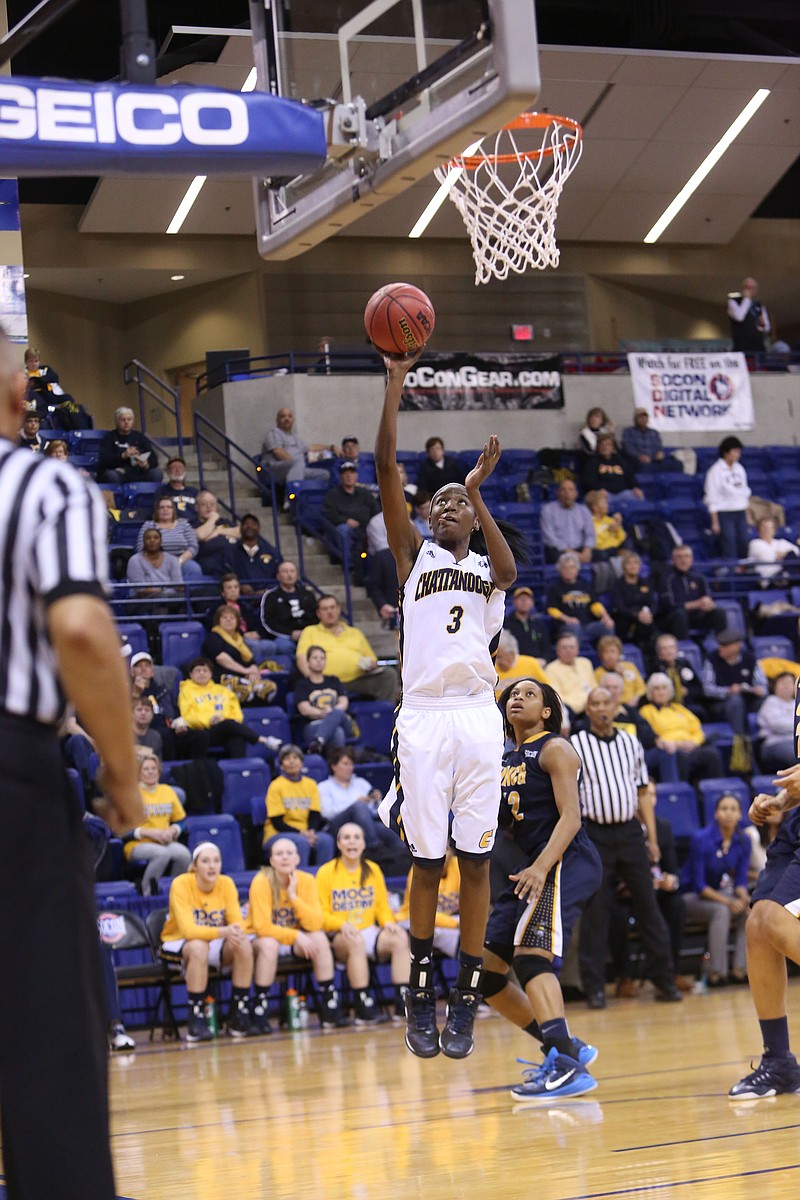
{"x": 26, "y": 274}
{"x": 710, "y": 161}
{"x": 442, "y": 192}
{"x": 196, "y": 186}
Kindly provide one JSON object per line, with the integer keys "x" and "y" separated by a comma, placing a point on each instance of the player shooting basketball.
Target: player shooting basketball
{"x": 449, "y": 738}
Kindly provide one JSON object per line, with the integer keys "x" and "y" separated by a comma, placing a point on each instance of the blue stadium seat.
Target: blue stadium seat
{"x": 379, "y": 775}
{"x": 634, "y": 655}
{"x": 223, "y": 830}
{"x": 763, "y": 783}
{"x": 678, "y": 803}
{"x": 692, "y": 653}
{"x": 268, "y": 721}
{"x": 133, "y": 635}
{"x": 115, "y": 894}
{"x": 242, "y": 879}
{"x": 315, "y": 766}
{"x": 258, "y": 810}
{"x": 180, "y": 641}
{"x": 733, "y": 616}
{"x": 375, "y": 719}
{"x": 764, "y": 646}
{"x": 244, "y": 778}
{"x": 76, "y": 783}
{"x": 711, "y": 789}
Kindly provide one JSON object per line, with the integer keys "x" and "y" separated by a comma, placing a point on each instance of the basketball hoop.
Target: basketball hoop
{"x": 512, "y": 225}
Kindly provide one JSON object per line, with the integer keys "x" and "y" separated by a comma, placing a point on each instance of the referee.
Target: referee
{"x": 58, "y": 641}
{"x": 612, "y": 787}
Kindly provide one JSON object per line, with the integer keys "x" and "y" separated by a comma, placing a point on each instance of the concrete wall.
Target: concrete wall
{"x": 328, "y": 408}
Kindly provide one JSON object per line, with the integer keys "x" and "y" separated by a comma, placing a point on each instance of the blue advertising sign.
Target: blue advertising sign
{"x": 50, "y": 127}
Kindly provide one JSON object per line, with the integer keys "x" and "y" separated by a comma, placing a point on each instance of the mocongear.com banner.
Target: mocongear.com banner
{"x": 490, "y": 381}
{"x": 693, "y": 391}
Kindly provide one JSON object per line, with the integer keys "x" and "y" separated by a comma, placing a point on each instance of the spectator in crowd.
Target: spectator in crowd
{"x": 58, "y": 448}
{"x": 158, "y": 574}
{"x": 421, "y": 514}
{"x": 532, "y": 638}
{"x": 285, "y": 454}
{"x": 666, "y": 885}
{"x": 382, "y": 586}
{"x": 212, "y": 708}
{"x": 680, "y": 741}
{"x": 735, "y": 685}
{"x": 623, "y": 716}
{"x": 715, "y": 888}
{"x": 285, "y": 915}
{"x": 351, "y": 448}
{"x": 294, "y": 809}
{"x": 124, "y": 455}
{"x": 748, "y": 317}
{"x": 609, "y": 534}
{"x": 359, "y": 917}
{"x": 177, "y": 537}
{"x": 235, "y": 666}
{"x": 446, "y": 932}
{"x": 350, "y": 508}
{"x": 30, "y": 436}
{"x": 676, "y": 666}
{"x": 597, "y": 423}
{"x": 634, "y": 604}
{"x": 204, "y": 929}
{"x": 776, "y": 720}
{"x": 213, "y": 534}
{"x": 287, "y": 609}
{"x": 252, "y": 558}
{"x": 615, "y": 803}
{"x": 155, "y": 841}
{"x": 143, "y": 733}
{"x": 567, "y": 525}
{"x": 726, "y": 495}
{"x": 176, "y": 488}
{"x": 686, "y": 598}
{"x": 643, "y": 445}
{"x": 230, "y": 592}
{"x": 511, "y": 665}
{"x": 572, "y": 676}
{"x": 438, "y": 468}
{"x": 349, "y": 655}
{"x": 610, "y": 471}
{"x": 573, "y": 604}
{"x": 346, "y": 797}
{"x": 766, "y": 548}
{"x": 44, "y": 387}
{"x": 322, "y": 702}
{"x": 610, "y": 651}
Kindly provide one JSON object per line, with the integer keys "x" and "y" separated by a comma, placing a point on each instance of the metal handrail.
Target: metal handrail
{"x": 136, "y": 372}
{"x": 253, "y": 473}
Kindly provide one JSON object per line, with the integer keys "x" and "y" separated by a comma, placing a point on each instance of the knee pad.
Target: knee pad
{"x": 528, "y": 966}
{"x": 491, "y": 983}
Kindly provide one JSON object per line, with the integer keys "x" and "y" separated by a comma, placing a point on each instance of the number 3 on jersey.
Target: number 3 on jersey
{"x": 457, "y": 614}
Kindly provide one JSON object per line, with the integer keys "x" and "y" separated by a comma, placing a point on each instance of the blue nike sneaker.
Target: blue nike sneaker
{"x": 584, "y": 1052}
{"x": 558, "y": 1076}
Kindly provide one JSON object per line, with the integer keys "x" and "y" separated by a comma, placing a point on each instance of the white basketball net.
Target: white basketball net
{"x": 512, "y": 224}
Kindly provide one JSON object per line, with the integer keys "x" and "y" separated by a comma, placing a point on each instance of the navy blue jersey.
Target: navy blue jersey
{"x": 527, "y": 790}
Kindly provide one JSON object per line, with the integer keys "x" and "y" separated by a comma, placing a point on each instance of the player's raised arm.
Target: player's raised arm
{"x": 404, "y": 539}
{"x": 501, "y": 559}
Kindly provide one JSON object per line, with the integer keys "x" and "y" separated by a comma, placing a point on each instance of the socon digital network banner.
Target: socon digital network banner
{"x": 491, "y": 381}
{"x": 690, "y": 392}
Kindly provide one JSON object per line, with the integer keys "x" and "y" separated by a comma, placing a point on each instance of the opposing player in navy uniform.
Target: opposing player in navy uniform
{"x": 773, "y": 935}
{"x": 448, "y": 741}
{"x": 559, "y": 871}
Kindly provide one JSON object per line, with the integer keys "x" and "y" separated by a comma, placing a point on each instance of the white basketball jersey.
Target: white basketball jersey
{"x": 450, "y": 612}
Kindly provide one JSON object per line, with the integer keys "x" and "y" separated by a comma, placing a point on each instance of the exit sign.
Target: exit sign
{"x": 522, "y": 333}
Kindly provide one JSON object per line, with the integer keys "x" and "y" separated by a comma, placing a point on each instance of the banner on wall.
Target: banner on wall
{"x": 507, "y": 382}
{"x": 693, "y": 392}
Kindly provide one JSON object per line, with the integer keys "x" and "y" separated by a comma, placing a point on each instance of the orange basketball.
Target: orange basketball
{"x": 399, "y": 319}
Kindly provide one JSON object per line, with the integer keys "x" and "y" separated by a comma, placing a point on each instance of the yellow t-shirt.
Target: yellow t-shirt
{"x": 342, "y": 651}
{"x": 283, "y": 920}
{"x": 197, "y": 914}
{"x": 525, "y": 667}
{"x": 346, "y": 902}
{"x": 633, "y": 688}
{"x": 198, "y": 704}
{"x": 674, "y": 723}
{"x": 163, "y": 809}
{"x": 447, "y": 902}
{"x": 292, "y": 800}
{"x": 608, "y": 536}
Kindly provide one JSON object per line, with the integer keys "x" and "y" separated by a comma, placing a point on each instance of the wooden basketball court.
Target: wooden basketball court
{"x": 353, "y": 1114}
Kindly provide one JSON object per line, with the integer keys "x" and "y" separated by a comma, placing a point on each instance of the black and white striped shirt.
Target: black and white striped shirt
{"x": 613, "y": 770}
{"x": 53, "y": 528}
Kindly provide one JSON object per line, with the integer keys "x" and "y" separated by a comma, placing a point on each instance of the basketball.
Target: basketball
{"x": 399, "y": 319}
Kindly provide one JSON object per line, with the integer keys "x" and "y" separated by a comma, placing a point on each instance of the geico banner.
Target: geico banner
{"x": 499, "y": 381}
{"x": 55, "y": 127}
{"x": 693, "y": 391}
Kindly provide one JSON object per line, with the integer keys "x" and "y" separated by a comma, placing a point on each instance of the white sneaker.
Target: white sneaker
{"x": 119, "y": 1039}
